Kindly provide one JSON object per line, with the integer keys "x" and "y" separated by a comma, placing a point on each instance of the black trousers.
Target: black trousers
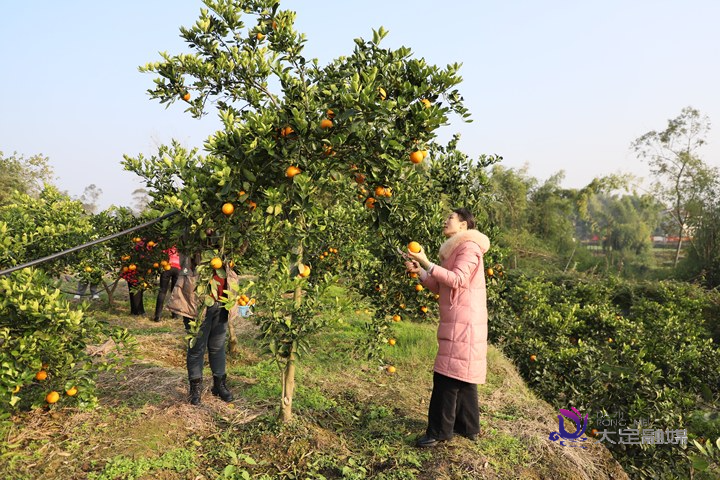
{"x": 211, "y": 337}
{"x": 453, "y": 408}
{"x": 168, "y": 278}
{"x": 136, "y": 302}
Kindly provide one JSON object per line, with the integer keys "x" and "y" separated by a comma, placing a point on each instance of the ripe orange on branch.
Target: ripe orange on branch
{"x": 186, "y": 97}
{"x": 326, "y": 123}
{"x": 41, "y": 375}
{"x": 228, "y": 208}
{"x": 414, "y": 247}
{"x": 216, "y": 263}
{"x": 416, "y": 156}
{"x": 52, "y": 397}
{"x": 291, "y": 171}
{"x": 71, "y": 392}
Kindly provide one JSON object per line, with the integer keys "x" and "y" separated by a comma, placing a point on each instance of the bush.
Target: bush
{"x": 616, "y": 349}
{"x": 41, "y": 332}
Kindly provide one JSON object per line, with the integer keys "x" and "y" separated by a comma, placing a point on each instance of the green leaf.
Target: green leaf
{"x": 248, "y": 174}
{"x": 699, "y": 463}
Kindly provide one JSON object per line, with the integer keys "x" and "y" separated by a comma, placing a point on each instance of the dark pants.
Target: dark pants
{"x": 168, "y": 278}
{"x": 211, "y": 337}
{"x": 453, "y": 408}
{"x": 136, "y": 302}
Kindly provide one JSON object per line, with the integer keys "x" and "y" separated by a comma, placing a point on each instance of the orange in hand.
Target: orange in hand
{"x": 414, "y": 247}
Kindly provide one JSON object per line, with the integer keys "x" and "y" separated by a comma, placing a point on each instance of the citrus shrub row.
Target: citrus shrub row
{"x": 626, "y": 351}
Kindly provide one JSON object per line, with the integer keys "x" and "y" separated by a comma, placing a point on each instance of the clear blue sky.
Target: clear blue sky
{"x": 559, "y": 85}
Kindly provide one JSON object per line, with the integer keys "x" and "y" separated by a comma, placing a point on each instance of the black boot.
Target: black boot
{"x": 195, "y": 391}
{"x": 220, "y": 389}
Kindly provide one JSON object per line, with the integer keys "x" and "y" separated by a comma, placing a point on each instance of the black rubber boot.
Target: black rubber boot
{"x": 220, "y": 389}
{"x": 195, "y": 391}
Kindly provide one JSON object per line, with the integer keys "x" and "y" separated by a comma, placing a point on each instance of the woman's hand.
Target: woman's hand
{"x": 412, "y": 267}
{"x": 420, "y": 258}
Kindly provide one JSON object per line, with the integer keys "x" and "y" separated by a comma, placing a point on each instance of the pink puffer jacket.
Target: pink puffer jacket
{"x": 462, "y": 332}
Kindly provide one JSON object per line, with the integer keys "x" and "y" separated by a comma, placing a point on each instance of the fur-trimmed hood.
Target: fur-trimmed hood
{"x": 453, "y": 242}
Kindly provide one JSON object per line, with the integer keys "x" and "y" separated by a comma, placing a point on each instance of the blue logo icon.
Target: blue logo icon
{"x": 564, "y": 435}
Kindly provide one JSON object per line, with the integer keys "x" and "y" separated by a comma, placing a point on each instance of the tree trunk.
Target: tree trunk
{"x": 288, "y": 389}
{"x": 677, "y": 250}
{"x": 110, "y": 291}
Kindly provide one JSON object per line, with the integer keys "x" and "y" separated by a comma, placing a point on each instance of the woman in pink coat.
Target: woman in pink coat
{"x": 461, "y": 362}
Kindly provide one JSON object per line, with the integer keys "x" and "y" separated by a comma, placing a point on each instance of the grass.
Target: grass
{"x": 352, "y": 419}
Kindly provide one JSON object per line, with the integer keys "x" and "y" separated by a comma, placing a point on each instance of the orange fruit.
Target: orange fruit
{"x": 259, "y": 36}
{"x": 382, "y": 93}
{"x": 52, "y": 397}
{"x": 125, "y": 269}
{"x": 424, "y": 153}
{"x": 287, "y": 130}
{"x": 252, "y": 205}
{"x": 419, "y": 288}
{"x": 594, "y": 432}
{"x": 396, "y": 318}
{"x": 414, "y": 247}
{"x": 426, "y": 102}
{"x": 216, "y": 263}
{"x": 291, "y": 171}
{"x": 228, "y": 208}
{"x": 303, "y": 270}
{"x": 370, "y": 202}
{"x": 379, "y": 191}
{"x": 533, "y": 358}
{"x": 413, "y": 275}
{"x": 156, "y": 265}
{"x": 132, "y": 267}
{"x": 326, "y": 123}
{"x": 416, "y": 156}
{"x": 125, "y": 258}
{"x": 391, "y": 341}
{"x": 72, "y": 392}
{"x": 186, "y": 97}
{"x": 330, "y": 114}
{"x": 490, "y": 272}
{"x": 424, "y": 309}
{"x": 167, "y": 267}
{"x": 390, "y": 369}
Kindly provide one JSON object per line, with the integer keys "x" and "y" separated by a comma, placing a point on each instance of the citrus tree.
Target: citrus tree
{"x": 297, "y": 138}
